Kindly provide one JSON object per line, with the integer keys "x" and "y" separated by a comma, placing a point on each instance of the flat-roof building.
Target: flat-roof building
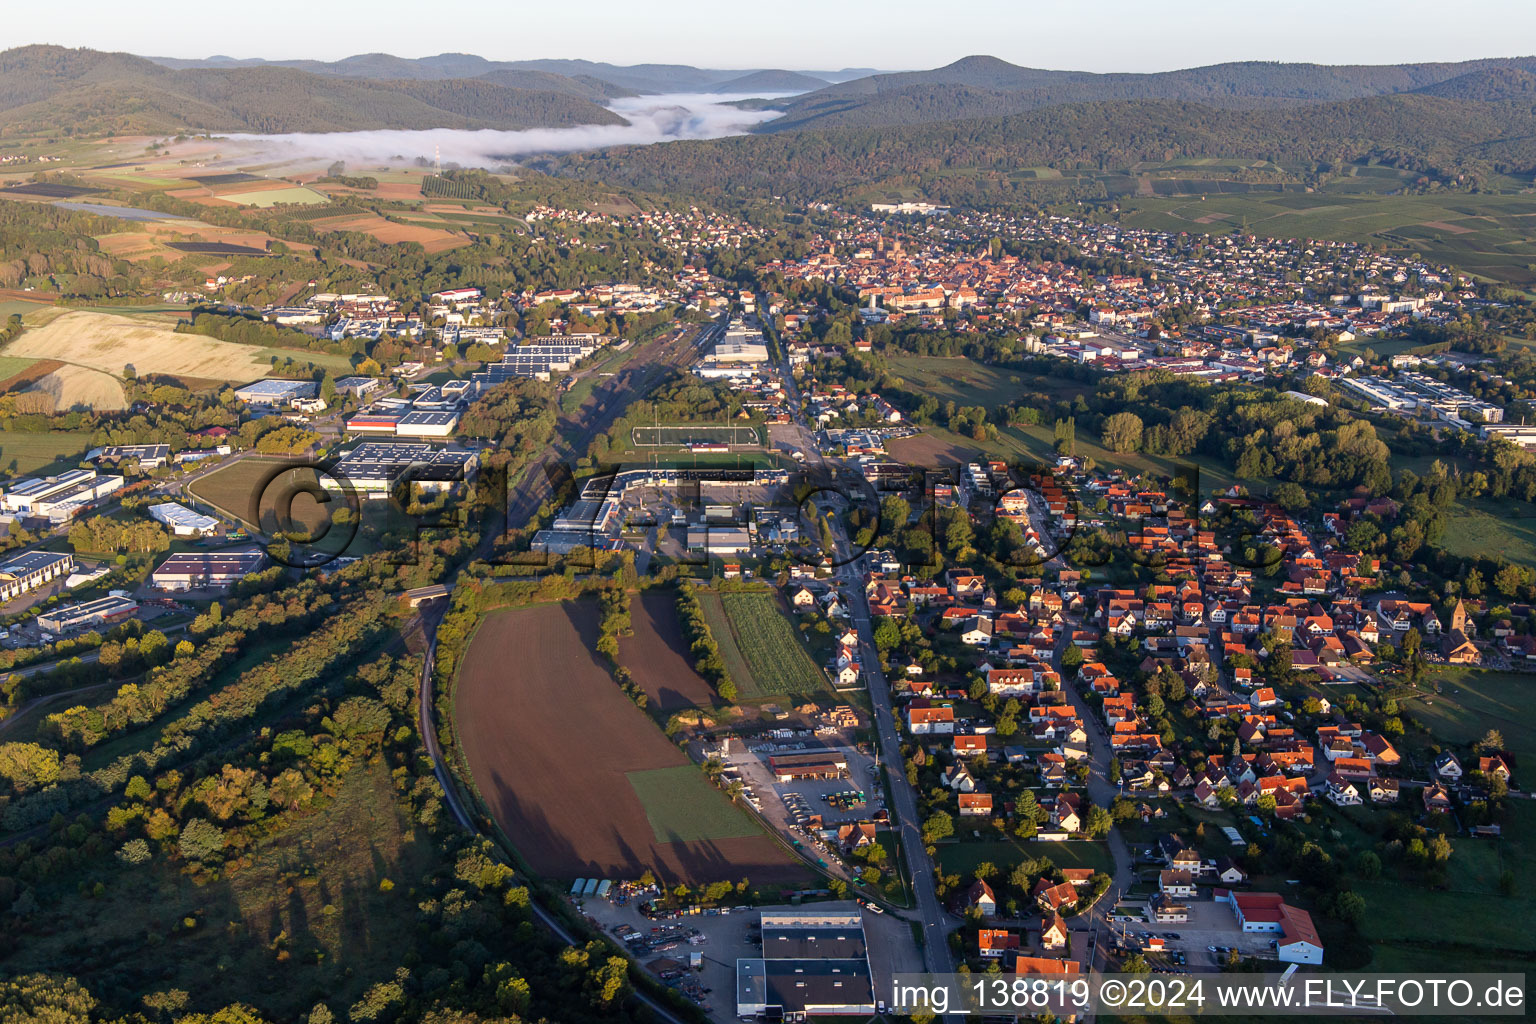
{"x": 427, "y": 423}
{"x": 373, "y": 466}
{"x": 182, "y": 520}
{"x": 812, "y": 963}
{"x": 27, "y": 571}
{"x": 196, "y": 570}
{"x": 87, "y": 614}
{"x": 274, "y": 391}
{"x": 148, "y": 456}
{"x": 59, "y": 498}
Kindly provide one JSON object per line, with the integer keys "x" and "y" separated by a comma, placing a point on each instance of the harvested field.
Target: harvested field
{"x": 80, "y": 387}
{"x": 657, "y": 656}
{"x": 398, "y": 190}
{"x": 108, "y": 343}
{"x": 431, "y": 239}
{"x": 552, "y": 741}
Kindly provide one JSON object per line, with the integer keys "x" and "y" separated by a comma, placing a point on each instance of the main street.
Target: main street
{"x": 934, "y": 920}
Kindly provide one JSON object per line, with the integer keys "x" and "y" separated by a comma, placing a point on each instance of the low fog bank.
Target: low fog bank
{"x": 659, "y": 118}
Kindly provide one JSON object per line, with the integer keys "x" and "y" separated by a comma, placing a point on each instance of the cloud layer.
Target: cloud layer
{"x": 651, "y": 119}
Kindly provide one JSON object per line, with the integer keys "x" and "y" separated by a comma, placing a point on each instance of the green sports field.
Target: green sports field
{"x": 683, "y": 807}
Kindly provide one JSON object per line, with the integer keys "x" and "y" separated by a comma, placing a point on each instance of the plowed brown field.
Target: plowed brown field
{"x": 550, "y": 740}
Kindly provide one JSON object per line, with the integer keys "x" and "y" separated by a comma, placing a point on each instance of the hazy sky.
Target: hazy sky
{"x": 1092, "y": 35}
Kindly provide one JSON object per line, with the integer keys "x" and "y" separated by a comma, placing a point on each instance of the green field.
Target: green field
{"x": 10, "y": 366}
{"x": 1485, "y": 234}
{"x": 683, "y": 807}
{"x": 1472, "y": 701}
{"x": 298, "y": 195}
{"x": 961, "y": 858}
{"x": 19, "y": 307}
{"x": 966, "y": 382}
{"x": 1490, "y": 529}
{"x": 28, "y": 453}
{"x": 776, "y": 656}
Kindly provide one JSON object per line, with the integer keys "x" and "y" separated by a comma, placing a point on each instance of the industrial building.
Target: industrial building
{"x": 822, "y": 764}
{"x": 58, "y": 498}
{"x": 1265, "y": 912}
{"x": 194, "y": 570}
{"x": 183, "y": 521}
{"x": 814, "y": 964}
{"x": 427, "y": 423}
{"x": 536, "y": 360}
{"x": 272, "y": 391}
{"x": 719, "y": 540}
{"x": 30, "y": 570}
{"x": 415, "y": 423}
{"x": 87, "y": 614}
{"x": 373, "y": 466}
{"x": 148, "y": 456}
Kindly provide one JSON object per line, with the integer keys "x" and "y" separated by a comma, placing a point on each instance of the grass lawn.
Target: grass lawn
{"x": 961, "y": 858}
{"x": 1482, "y": 527}
{"x": 966, "y": 382}
{"x": 1472, "y": 701}
{"x": 682, "y": 806}
{"x": 777, "y": 656}
{"x": 28, "y": 453}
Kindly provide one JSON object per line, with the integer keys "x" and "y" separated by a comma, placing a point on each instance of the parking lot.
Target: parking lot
{"x": 788, "y": 807}
{"x": 1210, "y": 924}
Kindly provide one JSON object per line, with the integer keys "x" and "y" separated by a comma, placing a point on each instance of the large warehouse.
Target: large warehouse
{"x": 191, "y": 570}
{"x": 812, "y": 964}
{"x": 373, "y": 466}
{"x": 87, "y": 614}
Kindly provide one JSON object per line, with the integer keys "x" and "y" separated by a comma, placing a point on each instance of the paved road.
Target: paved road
{"x": 1101, "y": 791}
{"x": 935, "y": 922}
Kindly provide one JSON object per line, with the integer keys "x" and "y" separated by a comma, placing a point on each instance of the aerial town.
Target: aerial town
{"x": 547, "y": 539}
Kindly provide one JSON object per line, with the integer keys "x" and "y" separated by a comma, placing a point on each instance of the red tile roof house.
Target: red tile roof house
{"x": 975, "y": 805}
{"x": 1054, "y": 897}
{"x": 993, "y": 943}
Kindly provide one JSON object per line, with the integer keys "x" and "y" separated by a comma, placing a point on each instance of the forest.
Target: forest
{"x": 1451, "y": 139}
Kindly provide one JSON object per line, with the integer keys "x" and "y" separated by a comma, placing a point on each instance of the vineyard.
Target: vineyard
{"x": 322, "y": 212}
{"x": 776, "y": 656}
{"x": 434, "y": 187}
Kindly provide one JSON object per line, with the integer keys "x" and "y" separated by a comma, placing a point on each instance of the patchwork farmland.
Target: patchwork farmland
{"x": 568, "y": 765}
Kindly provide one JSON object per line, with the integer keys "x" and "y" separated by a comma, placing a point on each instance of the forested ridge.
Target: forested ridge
{"x": 1436, "y": 136}
{"x": 87, "y": 92}
{"x": 986, "y": 86}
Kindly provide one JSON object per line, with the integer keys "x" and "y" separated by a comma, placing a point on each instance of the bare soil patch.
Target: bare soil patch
{"x": 658, "y": 658}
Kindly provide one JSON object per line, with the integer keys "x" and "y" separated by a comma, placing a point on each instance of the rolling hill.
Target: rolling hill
{"x": 42, "y": 87}
{"x": 988, "y": 87}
